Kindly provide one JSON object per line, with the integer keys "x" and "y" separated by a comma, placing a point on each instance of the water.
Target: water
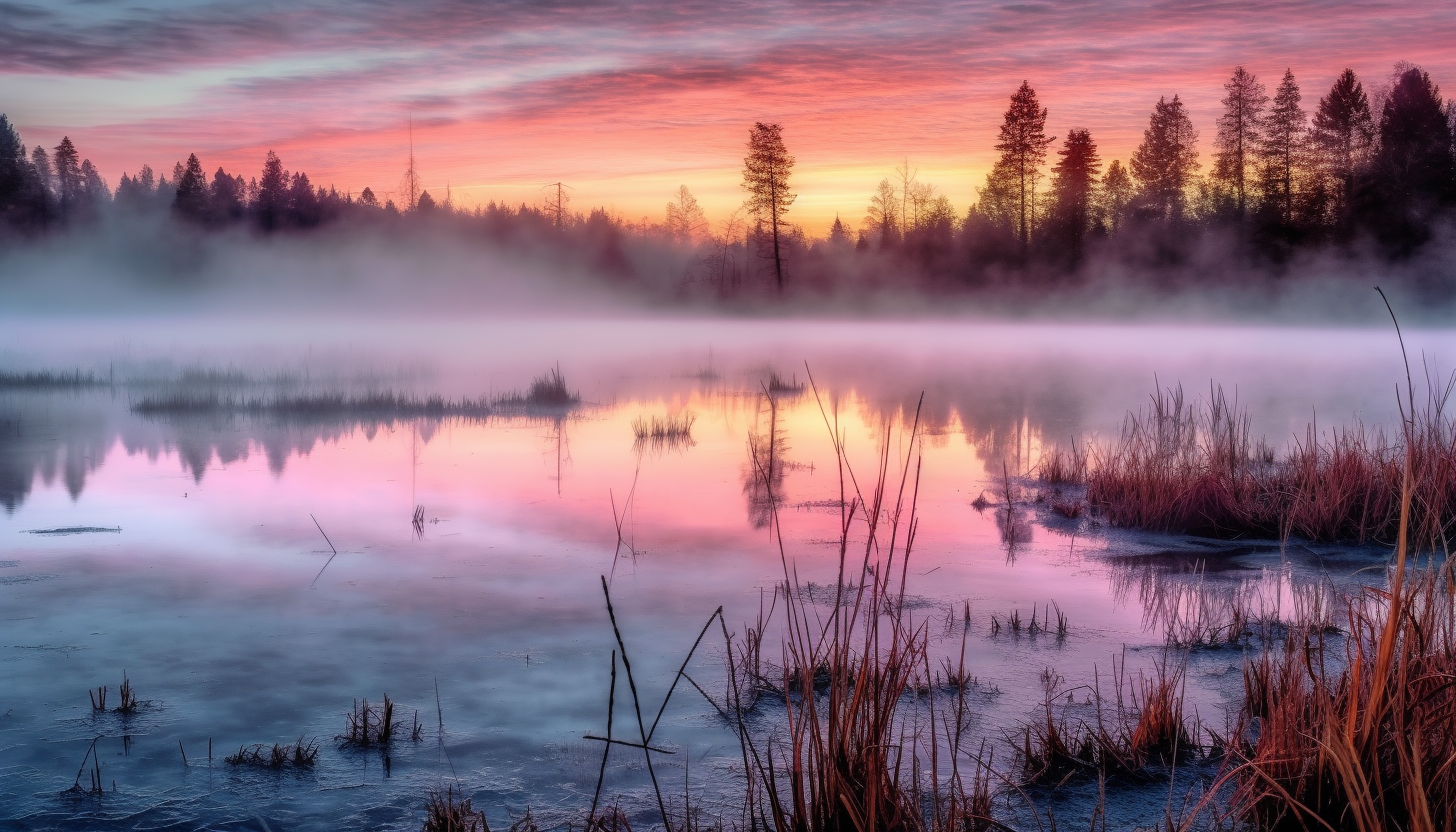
{"x": 238, "y": 622}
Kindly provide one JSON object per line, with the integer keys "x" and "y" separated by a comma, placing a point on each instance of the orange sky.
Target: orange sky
{"x": 626, "y": 101}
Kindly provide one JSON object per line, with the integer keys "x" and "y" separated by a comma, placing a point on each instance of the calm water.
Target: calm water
{"x": 222, "y": 602}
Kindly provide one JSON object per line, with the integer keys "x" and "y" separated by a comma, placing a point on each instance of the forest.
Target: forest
{"x": 1357, "y": 180}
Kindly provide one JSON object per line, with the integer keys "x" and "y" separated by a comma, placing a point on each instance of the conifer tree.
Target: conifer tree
{"x": 1282, "y": 151}
{"x": 1114, "y": 194}
{"x": 1023, "y": 144}
{"x": 191, "y": 200}
{"x": 1343, "y": 135}
{"x": 1166, "y": 161}
{"x": 271, "y": 203}
{"x": 68, "y": 183}
{"x": 1238, "y": 136}
{"x": 766, "y": 171}
{"x": 1074, "y": 178}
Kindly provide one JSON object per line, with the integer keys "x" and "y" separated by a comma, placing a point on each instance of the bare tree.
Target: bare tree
{"x": 685, "y": 220}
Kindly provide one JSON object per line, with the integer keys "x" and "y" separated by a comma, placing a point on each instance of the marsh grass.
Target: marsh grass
{"x": 50, "y": 380}
{"x": 299, "y": 754}
{"x": 367, "y": 726}
{"x": 673, "y": 426}
{"x": 1188, "y": 467}
{"x": 445, "y": 811}
{"x": 865, "y": 732}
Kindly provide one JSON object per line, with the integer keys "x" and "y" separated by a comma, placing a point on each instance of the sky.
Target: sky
{"x": 625, "y": 101}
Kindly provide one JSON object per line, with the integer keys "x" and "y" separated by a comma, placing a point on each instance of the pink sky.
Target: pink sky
{"x": 627, "y": 101}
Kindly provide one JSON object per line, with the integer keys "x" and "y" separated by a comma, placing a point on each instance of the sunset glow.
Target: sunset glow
{"x": 625, "y": 102}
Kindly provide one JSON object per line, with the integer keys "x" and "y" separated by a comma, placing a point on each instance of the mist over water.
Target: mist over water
{"x": 226, "y": 607}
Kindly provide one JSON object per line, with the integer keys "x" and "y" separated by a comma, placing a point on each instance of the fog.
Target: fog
{"x": 441, "y": 267}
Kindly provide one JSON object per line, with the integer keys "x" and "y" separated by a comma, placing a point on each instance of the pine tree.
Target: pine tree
{"x": 93, "y": 187}
{"x": 1023, "y": 145}
{"x": 271, "y": 204}
{"x": 191, "y": 200}
{"x": 40, "y": 163}
{"x": 1282, "y": 151}
{"x": 1165, "y": 162}
{"x": 1074, "y": 179}
{"x": 1238, "y": 135}
{"x": 1113, "y": 195}
{"x": 766, "y": 171}
{"x": 13, "y": 169}
{"x": 1415, "y": 141}
{"x": 1343, "y": 135}
{"x": 69, "y": 185}
{"x": 838, "y": 234}
{"x": 225, "y": 197}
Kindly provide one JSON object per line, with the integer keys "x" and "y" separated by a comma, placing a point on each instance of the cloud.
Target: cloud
{"x": 505, "y": 90}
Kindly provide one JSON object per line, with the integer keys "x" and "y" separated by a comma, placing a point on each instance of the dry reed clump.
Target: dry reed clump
{"x": 662, "y": 428}
{"x": 374, "y": 725}
{"x": 129, "y": 703}
{"x": 300, "y": 754}
{"x": 1362, "y": 738}
{"x": 1182, "y": 467}
{"x": 1143, "y": 726}
{"x": 549, "y": 390}
{"x": 854, "y": 754}
{"x": 447, "y": 812}
{"x": 1063, "y": 466}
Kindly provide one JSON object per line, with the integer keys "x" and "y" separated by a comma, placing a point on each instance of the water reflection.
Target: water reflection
{"x": 763, "y": 476}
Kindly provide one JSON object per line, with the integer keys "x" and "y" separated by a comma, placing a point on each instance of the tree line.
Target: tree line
{"x": 1285, "y": 176}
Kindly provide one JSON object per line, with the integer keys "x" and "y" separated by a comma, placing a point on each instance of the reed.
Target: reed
{"x": 367, "y": 725}
{"x": 1185, "y": 467}
{"x": 448, "y": 812}
{"x": 856, "y": 751}
{"x": 677, "y": 426}
{"x": 301, "y": 753}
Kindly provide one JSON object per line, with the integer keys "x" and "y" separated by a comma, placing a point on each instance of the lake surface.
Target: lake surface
{"x": 252, "y": 574}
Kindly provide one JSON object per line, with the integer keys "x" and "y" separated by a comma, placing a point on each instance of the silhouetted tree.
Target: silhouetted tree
{"x": 1413, "y": 169}
{"x": 68, "y": 185}
{"x": 882, "y": 217}
{"x": 303, "y": 204}
{"x": 17, "y": 185}
{"x": 766, "y": 171}
{"x": 1165, "y": 162}
{"x": 1341, "y": 141}
{"x": 1114, "y": 194}
{"x": 1282, "y": 152}
{"x": 425, "y": 204}
{"x": 270, "y": 205}
{"x": 1023, "y": 145}
{"x": 226, "y": 196}
{"x": 367, "y": 199}
{"x": 191, "y": 201}
{"x": 1074, "y": 179}
{"x": 838, "y": 235}
{"x": 1238, "y": 136}
{"x": 685, "y": 220}
{"x": 94, "y": 191}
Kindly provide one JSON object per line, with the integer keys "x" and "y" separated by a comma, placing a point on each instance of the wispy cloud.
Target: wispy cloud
{"x": 502, "y": 91}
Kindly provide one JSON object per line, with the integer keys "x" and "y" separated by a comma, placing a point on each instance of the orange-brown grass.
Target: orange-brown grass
{"x": 1179, "y": 466}
{"x": 1364, "y": 741}
{"x": 850, "y": 755}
